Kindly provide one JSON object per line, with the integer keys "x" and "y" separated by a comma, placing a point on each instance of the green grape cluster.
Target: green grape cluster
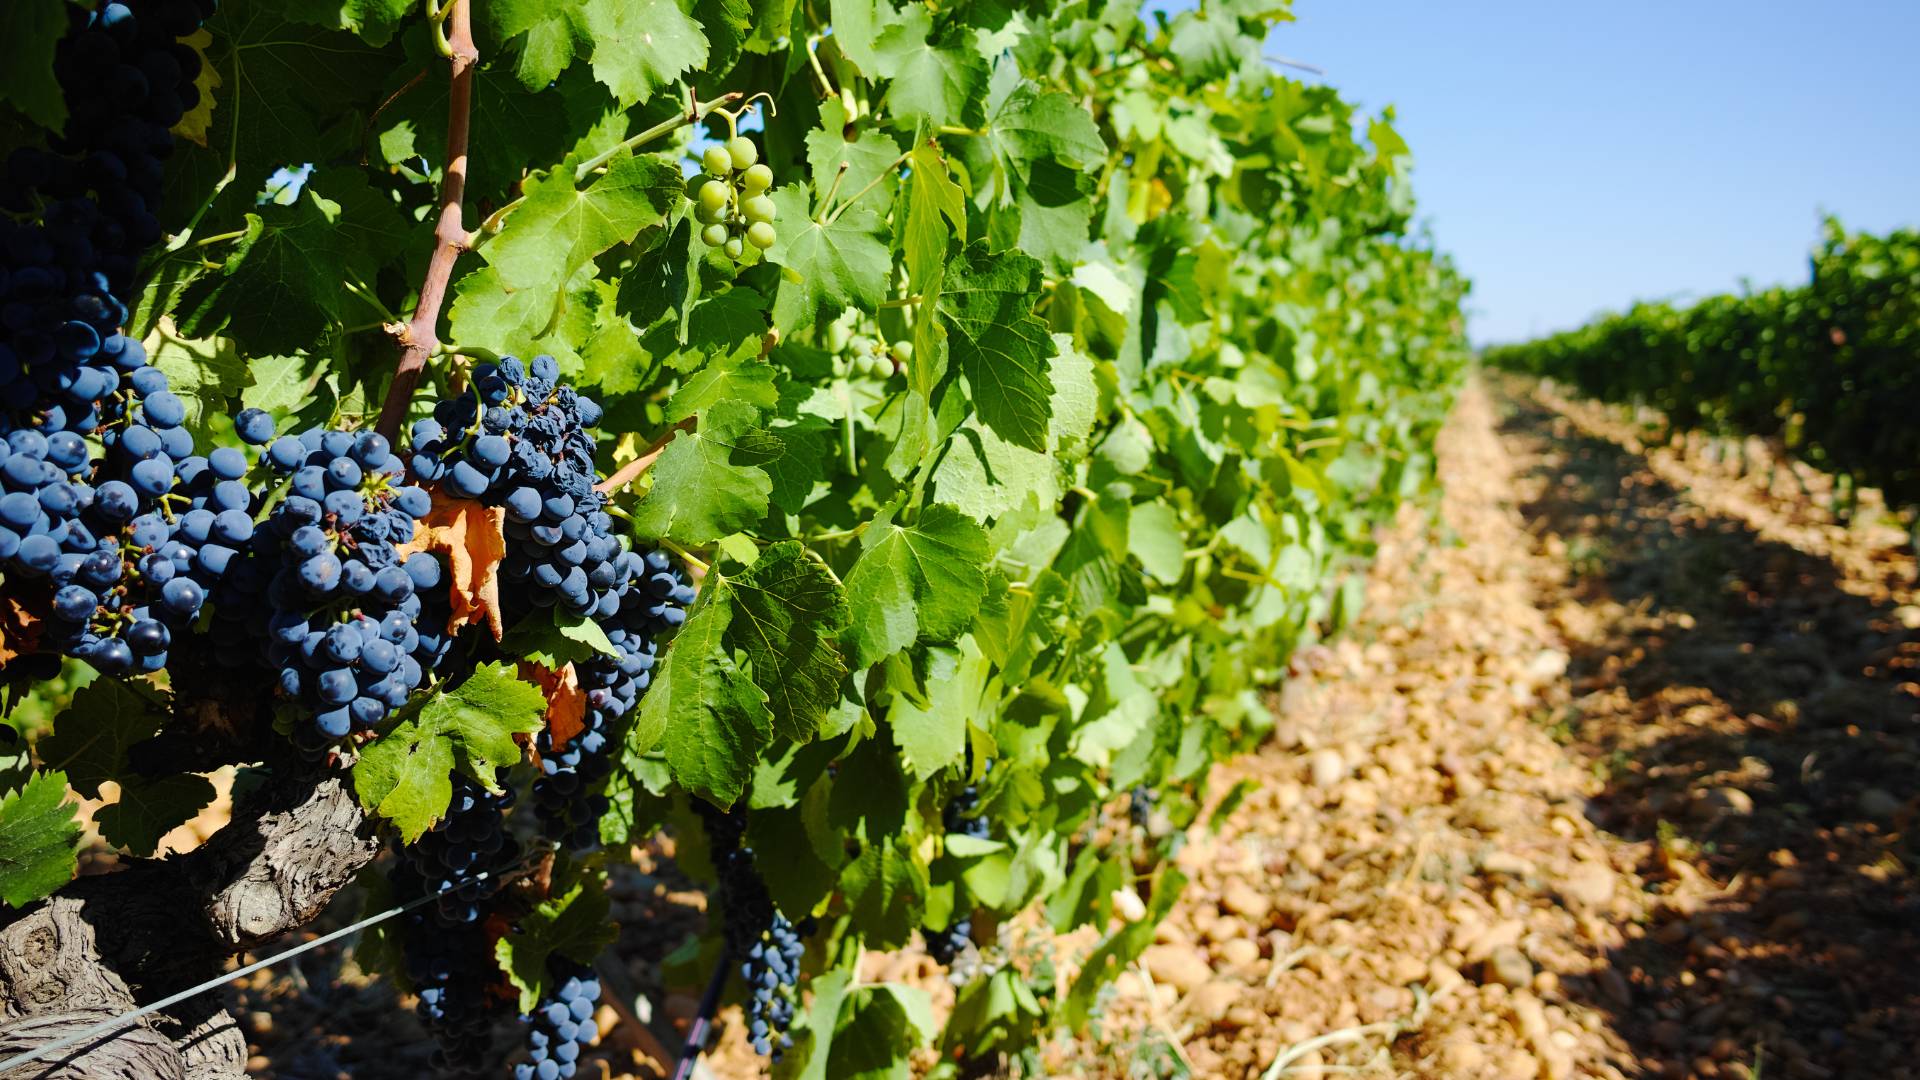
{"x": 856, "y": 353}
{"x": 731, "y": 201}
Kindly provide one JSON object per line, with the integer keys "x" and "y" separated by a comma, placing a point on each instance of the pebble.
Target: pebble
{"x": 1326, "y": 767}
{"x": 1508, "y": 967}
{"x": 1459, "y": 1057}
{"x": 1239, "y": 953}
{"x": 1722, "y": 802}
{"x": 1210, "y": 1001}
{"x": 1244, "y": 900}
{"x": 1501, "y": 862}
{"x": 1177, "y": 966}
{"x": 1128, "y": 905}
{"x": 1589, "y": 885}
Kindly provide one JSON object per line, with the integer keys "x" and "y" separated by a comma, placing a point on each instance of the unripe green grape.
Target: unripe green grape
{"x": 714, "y": 235}
{"x": 734, "y": 248}
{"x": 757, "y": 179}
{"x": 714, "y": 195}
{"x": 717, "y": 161}
{"x": 758, "y": 208}
{"x": 902, "y": 351}
{"x": 709, "y": 217}
{"x": 760, "y": 235}
{"x": 877, "y": 366}
{"x": 742, "y": 152}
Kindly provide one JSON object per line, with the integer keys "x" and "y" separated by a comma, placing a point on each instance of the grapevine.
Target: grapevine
{"x": 552, "y": 453}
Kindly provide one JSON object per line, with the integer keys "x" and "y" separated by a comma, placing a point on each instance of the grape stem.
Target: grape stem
{"x": 420, "y": 338}
{"x": 632, "y": 470}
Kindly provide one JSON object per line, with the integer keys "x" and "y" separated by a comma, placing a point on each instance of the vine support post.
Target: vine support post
{"x": 419, "y": 337}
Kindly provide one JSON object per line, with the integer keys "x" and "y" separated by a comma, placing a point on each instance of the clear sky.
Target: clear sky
{"x": 1575, "y": 158}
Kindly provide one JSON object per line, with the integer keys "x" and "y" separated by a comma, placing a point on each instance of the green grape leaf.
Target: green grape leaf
{"x": 1209, "y": 45}
{"x": 285, "y": 283}
{"x": 544, "y": 36}
{"x": 707, "y": 714}
{"x": 933, "y": 201}
{"x": 788, "y": 614}
{"x": 1028, "y": 123}
{"x": 885, "y": 888}
{"x": 282, "y": 385}
{"x": 855, "y": 25}
{"x": 148, "y": 810}
{"x": 841, "y": 261}
{"x": 880, "y": 1031}
{"x": 813, "y": 1047}
{"x": 698, "y": 493}
{"x": 640, "y": 46}
{"x": 405, "y": 774}
{"x": 28, "y": 34}
{"x": 554, "y": 638}
{"x": 868, "y": 155}
{"x": 39, "y": 839}
{"x": 575, "y": 924}
{"x": 1154, "y": 537}
{"x": 561, "y": 226}
{"x": 204, "y": 374}
{"x": 929, "y": 83}
{"x": 285, "y": 86}
{"x": 933, "y": 735}
{"x": 1055, "y": 213}
{"x": 923, "y": 580}
{"x": 745, "y": 378}
{"x": 1000, "y": 345}
{"x": 90, "y": 738}
{"x": 373, "y": 20}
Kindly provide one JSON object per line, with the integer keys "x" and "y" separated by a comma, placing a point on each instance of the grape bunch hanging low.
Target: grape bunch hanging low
{"x": 561, "y": 1025}
{"x": 766, "y": 947}
{"x": 961, "y": 818}
{"x": 732, "y": 201}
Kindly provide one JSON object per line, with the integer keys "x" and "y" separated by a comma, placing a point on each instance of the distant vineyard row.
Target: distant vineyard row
{"x": 1830, "y": 368}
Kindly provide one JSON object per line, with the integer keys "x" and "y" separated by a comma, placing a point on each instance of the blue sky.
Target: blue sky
{"x": 1577, "y": 158}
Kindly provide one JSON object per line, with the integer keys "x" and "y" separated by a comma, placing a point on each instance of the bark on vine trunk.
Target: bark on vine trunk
{"x": 105, "y": 945}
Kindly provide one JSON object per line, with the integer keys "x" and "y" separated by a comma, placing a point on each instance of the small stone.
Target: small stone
{"x": 259, "y": 1064}
{"x": 1722, "y": 802}
{"x": 1909, "y": 616}
{"x": 262, "y": 1023}
{"x": 1519, "y": 1065}
{"x": 1239, "y": 953}
{"x": 1177, "y": 966}
{"x": 1244, "y": 900}
{"x": 1508, "y": 967}
{"x": 1210, "y": 1001}
{"x": 1461, "y": 1058}
{"x": 1877, "y": 803}
{"x": 1588, "y": 885}
{"x": 1128, "y": 905}
{"x": 1501, "y": 862}
{"x": 1404, "y": 968}
{"x": 1326, "y": 767}
{"x": 1227, "y": 928}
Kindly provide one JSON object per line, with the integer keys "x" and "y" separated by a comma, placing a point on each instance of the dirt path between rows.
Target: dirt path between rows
{"x": 1617, "y": 779}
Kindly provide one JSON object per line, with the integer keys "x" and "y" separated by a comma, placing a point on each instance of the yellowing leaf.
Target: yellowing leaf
{"x": 194, "y": 125}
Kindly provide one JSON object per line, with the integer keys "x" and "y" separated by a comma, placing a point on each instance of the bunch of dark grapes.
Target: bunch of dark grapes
{"x": 464, "y": 857}
{"x": 453, "y": 973}
{"x": 521, "y": 440}
{"x": 732, "y": 203}
{"x": 91, "y": 193}
{"x": 961, "y": 818}
{"x": 561, "y": 1025}
{"x": 342, "y": 605}
{"x": 759, "y": 938}
{"x": 132, "y": 553}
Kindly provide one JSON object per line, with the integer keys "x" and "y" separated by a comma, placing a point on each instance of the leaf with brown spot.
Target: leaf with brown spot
{"x": 473, "y": 539}
{"x": 566, "y": 702}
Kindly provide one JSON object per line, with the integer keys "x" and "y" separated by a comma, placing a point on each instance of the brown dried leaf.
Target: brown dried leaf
{"x": 473, "y": 539}
{"x": 19, "y": 631}
{"x": 566, "y": 702}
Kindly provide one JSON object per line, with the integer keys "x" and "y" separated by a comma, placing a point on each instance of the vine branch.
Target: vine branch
{"x": 420, "y": 337}
{"x": 632, "y": 470}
